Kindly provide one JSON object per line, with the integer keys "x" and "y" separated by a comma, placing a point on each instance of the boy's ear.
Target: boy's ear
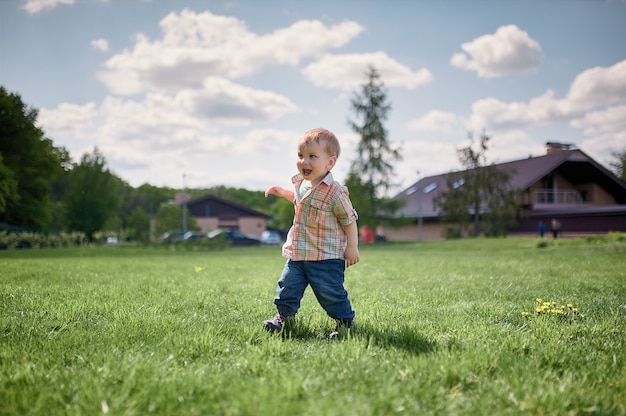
{"x": 331, "y": 162}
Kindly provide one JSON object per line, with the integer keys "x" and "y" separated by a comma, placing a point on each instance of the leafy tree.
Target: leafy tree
{"x": 8, "y": 186}
{"x": 481, "y": 193}
{"x": 282, "y": 213}
{"x": 138, "y": 225}
{"x": 29, "y": 164}
{"x": 91, "y": 197}
{"x": 371, "y": 173}
{"x": 618, "y": 164}
{"x": 140, "y": 208}
{"x": 453, "y": 206}
{"x": 169, "y": 218}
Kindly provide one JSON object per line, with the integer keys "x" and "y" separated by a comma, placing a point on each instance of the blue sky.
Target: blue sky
{"x": 218, "y": 92}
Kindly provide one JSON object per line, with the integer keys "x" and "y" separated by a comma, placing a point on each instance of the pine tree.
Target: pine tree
{"x": 372, "y": 171}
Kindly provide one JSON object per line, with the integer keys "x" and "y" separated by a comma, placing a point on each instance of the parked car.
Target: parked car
{"x": 271, "y": 238}
{"x": 194, "y": 236}
{"x": 172, "y": 237}
{"x": 237, "y": 238}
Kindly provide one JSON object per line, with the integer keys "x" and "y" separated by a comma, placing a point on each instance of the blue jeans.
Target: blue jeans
{"x": 326, "y": 278}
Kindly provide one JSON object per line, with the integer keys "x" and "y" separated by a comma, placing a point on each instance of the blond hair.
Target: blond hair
{"x": 324, "y": 138}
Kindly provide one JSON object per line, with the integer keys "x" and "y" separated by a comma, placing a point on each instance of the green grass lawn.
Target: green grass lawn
{"x": 439, "y": 331}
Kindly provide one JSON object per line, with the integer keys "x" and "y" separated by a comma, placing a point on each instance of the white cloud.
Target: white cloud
{"x": 270, "y": 140}
{"x": 598, "y": 86}
{"x": 167, "y": 133}
{"x": 100, "y": 44}
{"x": 509, "y": 50}
{"x": 593, "y": 88}
{"x": 68, "y": 118}
{"x": 604, "y": 129}
{"x": 598, "y": 122}
{"x": 222, "y": 100}
{"x": 512, "y": 145}
{"x": 418, "y": 160}
{"x": 493, "y": 114}
{"x": 439, "y": 121}
{"x": 36, "y": 6}
{"x": 346, "y": 72}
{"x": 195, "y": 46}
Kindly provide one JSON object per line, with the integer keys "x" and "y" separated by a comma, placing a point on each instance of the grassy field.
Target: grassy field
{"x": 440, "y": 330}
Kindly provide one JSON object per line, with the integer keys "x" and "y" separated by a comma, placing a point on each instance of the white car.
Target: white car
{"x": 271, "y": 238}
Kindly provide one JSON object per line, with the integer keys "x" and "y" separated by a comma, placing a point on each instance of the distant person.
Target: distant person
{"x": 555, "y": 226}
{"x": 542, "y": 229}
{"x": 367, "y": 234}
{"x": 323, "y": 239}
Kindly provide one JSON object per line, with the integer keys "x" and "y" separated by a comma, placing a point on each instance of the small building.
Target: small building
{"x": 212, "y": 212}
{"x": 565, "y": 184}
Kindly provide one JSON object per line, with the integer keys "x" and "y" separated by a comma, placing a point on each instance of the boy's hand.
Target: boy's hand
{"x": 352, "y": 256}
{"x": 274, "y": 190}
{"x": 280, "y": 192}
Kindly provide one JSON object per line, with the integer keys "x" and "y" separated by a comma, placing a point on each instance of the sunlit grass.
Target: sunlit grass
{"x": 440, "y": 329}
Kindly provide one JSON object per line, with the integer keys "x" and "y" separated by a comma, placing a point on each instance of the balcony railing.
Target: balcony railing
{"x": 551, "y": 196}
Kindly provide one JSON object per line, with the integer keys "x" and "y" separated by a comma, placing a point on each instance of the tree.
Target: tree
{"x": 8, "y": 187}
{"x": 29, "y": 164}
{"x": 169, "y": 218}
{"x": 618, "y": 164}
{"x": 91, "y": 197}
{"x": 138, "y": 225}
{"x": 371, "y": 173}
{"x": 481, "y": 193}
{"x": 139, "y": 207}
{"x": 282, "y": 213}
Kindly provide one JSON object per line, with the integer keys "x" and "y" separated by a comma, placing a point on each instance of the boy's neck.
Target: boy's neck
{"x": 318, "y": 181}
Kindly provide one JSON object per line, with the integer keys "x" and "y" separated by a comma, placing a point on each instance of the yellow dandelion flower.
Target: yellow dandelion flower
{"x": 575, "y": 310}
{"x": 525, "y": 314}
{"x": 539, "y": 300}
{"x": 198, "y": 269}
{"x": 539, "y": 310}
{"x": 569, "y": 306}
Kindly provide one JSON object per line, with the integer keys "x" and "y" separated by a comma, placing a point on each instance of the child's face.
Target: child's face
{"x": 314, "y": 161}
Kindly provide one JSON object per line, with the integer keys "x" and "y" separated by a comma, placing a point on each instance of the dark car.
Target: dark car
{"x": 235, "y": 237}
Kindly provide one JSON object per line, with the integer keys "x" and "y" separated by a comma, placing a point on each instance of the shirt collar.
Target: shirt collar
{"x": 327, "y": 179}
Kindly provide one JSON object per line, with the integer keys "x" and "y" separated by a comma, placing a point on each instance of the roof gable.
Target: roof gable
{"x": 213, "y": 206}
{"x": 525, "y": 172}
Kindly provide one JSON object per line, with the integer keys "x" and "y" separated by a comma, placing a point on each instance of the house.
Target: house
{"x": 565, "y": 184}
{"x": 213, "y": 212}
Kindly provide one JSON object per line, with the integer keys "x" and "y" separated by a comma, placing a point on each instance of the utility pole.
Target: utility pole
{"x": 419, "y": 215}
{"x": 184, "y": 206}
{"x": 419, "y": 209}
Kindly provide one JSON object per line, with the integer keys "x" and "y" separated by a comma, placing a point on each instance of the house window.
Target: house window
{"x": 411, "y": 190}
{"x": 430, "y": 187}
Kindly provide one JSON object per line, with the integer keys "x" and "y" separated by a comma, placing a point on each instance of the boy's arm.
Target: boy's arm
{"x": 281, "y": 192}
{"x": 352, "y": 246}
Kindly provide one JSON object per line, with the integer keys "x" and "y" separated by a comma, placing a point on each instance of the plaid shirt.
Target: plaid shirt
{"x": 317, "y": 232}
